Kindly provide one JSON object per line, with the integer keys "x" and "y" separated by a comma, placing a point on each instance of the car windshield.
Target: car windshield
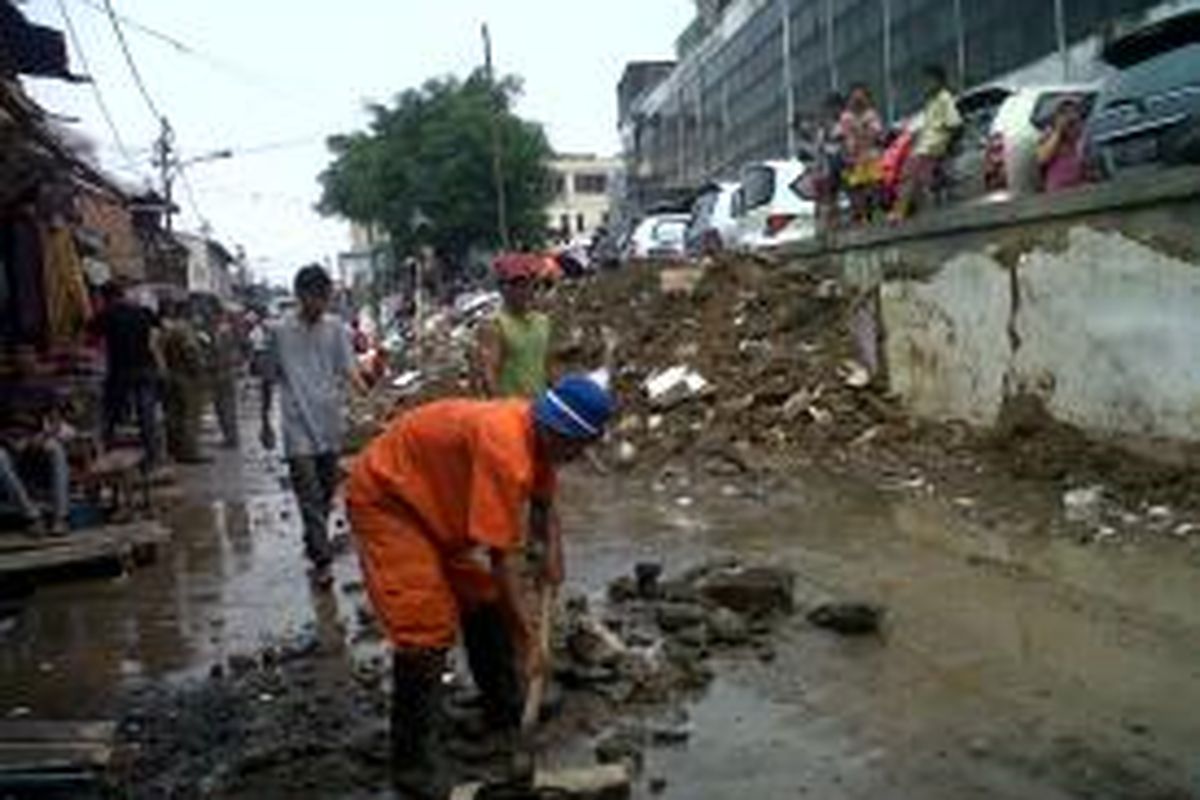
{"x": 1154, "y": 40}
{"x": 670, "y": 231}
{"x": 705, "y": 203}
{"x": 1047, "y": 104}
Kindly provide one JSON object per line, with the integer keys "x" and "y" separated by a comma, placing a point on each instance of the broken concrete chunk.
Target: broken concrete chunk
{"x": 753, "y": 591}
{"x": 623, "y": 589}
{"x": 622, "y": 745}
{"x": 848, "y": 619}
{"x": 647, "y": 574}
{"x": 728, "y": 627}
{"x": 672, "y": 616}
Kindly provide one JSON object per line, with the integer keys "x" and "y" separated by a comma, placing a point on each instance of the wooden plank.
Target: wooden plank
{"x": 111, "y": 542}
{"x": 31, "y": 747}
{"x": 43, "y": 756}
{"x": 43, "y": 730}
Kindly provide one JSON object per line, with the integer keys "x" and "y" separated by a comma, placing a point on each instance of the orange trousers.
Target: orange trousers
{"x": 418, "y": 591}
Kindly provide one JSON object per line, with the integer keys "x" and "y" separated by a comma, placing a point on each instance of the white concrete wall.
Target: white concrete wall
{"x": 947, "y": 339}
{"x": 1110, "y": 329}
{"x": 1108, "y": 335}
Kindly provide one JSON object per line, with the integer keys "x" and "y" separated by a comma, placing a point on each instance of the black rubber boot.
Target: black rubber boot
{"x": 416, "y": 681}
{"x": 492, "y": 659}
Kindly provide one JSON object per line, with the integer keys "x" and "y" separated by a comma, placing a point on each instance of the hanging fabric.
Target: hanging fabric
{"x": 25, "y": 316}
{"x": 67, "y": 306}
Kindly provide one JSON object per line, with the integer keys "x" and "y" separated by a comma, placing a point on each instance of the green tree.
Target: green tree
{"x": 428, "y": 158}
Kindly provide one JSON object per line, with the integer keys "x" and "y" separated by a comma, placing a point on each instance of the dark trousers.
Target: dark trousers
{"x": 121, "y": 392}
{"x": 314, "y": 481}
{"x": 225, "y": 406}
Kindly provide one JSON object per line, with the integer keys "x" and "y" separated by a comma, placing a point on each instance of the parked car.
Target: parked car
{"x": 713, "y": 227}
{"x": 1149, "y": 112}
{"x": 658, "y": 236}
{"x": 774, "y": 205}
{"x": 996, "y": 154}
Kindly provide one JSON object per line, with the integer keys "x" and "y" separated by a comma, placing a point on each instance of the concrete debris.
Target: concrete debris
{"x": 674, "y": 617}
{"x": 848, "y": 619}
{"x": 854, "y": 374}
{"x": 1083, "y": 505}
{"x": 753, "y": 591}
{"x": 673, "y": 385}
{"x": 622, "y": 745}
{"x": 1185, "y": 529}
{"x": 647, "y": 574}
{"x": 626, "y": 454}
{"x": 728, "y": 627}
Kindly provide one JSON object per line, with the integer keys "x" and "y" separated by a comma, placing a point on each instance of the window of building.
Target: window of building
{"x": 558, "y": 182}
{"x": 579, "y": 223}
{"x": 591, "y": 183}
{"x": 564, "y": 223}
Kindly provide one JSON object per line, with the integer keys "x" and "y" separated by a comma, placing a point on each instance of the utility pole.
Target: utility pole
{"x": 889, "y": 89}
{"x": 497, "y": 159}
{"x": 960, "y": 36}
{"x": 164, "y": 159}
{"x": 1060, "y": 27}
{"x": 789, "y": 87}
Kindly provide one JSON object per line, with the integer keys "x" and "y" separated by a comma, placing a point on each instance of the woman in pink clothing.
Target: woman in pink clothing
{"x": 1060, "y": 155}
{"x": 861, "y": 132}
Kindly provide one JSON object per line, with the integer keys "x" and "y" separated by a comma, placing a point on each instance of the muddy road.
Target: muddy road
{"x": 1012, "y": 663}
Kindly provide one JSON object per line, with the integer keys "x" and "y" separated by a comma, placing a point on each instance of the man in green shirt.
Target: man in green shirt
{"x": 514, "y": 346}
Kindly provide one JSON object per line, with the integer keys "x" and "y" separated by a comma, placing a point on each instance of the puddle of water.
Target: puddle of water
{"x": 993, "y": 634}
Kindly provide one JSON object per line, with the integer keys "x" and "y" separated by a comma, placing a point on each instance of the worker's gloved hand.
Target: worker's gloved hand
{"x": 267, "y": 437}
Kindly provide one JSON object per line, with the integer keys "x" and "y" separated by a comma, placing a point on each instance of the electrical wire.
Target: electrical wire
{"x": 184, "y": 48}
{"x": 190, "y": 194}
{"x": 100, "y": 102}
{"x": 133, "y": 67}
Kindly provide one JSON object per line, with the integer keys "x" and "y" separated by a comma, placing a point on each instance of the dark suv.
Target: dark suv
{"x": 1149, "y": 112}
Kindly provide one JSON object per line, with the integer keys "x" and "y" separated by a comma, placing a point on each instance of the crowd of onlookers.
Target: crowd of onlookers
{"x": 864, "y": 172}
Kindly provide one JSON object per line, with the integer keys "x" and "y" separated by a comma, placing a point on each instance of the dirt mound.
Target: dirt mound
{"x": 770, "y": 352}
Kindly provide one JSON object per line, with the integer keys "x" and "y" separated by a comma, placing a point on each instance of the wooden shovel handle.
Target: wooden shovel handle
{"x": 537, "y": 685}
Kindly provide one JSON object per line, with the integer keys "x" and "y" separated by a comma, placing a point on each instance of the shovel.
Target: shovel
{"x": 523, "y": 760}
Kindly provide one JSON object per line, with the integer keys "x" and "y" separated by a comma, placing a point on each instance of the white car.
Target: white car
{"x": 658, "y": 236}
{"x": 773, "y": 205}
{"x": 713, "y": 227}
{"x": 996, "y": 157}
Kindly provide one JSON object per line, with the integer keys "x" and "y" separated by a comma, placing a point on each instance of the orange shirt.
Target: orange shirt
{"x": 466, "y": 468}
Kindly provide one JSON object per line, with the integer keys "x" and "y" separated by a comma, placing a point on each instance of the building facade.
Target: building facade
{"x": 583, "y": 194}
{"x": 210, "y": 267}
{"x": 750, "y": 71}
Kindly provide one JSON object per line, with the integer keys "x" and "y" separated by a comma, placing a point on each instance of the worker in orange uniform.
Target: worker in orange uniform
{"x": 446, "y": 483}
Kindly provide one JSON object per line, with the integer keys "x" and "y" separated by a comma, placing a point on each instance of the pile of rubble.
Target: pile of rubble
{"x": 743, "y": 361}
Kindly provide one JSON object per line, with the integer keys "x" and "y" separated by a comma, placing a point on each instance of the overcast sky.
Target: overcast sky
{"x": 273, "y": 77}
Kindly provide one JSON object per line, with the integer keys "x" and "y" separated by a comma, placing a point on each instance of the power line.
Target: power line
{"x": 186, "y": 49}
{"x": 108, "y": 118}
{"x": 190, "y": 193}
{"x": 133, "y": 68}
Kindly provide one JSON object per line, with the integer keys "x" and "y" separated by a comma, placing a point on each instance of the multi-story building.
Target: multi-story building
{"x": 583, "y": 193}
{"x": 750, "y": 71}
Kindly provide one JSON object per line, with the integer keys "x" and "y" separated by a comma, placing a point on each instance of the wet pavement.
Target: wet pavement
{"x": 1013, "y": 664}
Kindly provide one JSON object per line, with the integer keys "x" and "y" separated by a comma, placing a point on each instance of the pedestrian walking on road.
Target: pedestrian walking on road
{"x": 514, "y": 347}
{"x": 226, "y": 362}
{"x": 184, "y": 383}
{"x": 131, "y": 377}
{"x": 445, "y": 483}
{"x": 310, "y": 356}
